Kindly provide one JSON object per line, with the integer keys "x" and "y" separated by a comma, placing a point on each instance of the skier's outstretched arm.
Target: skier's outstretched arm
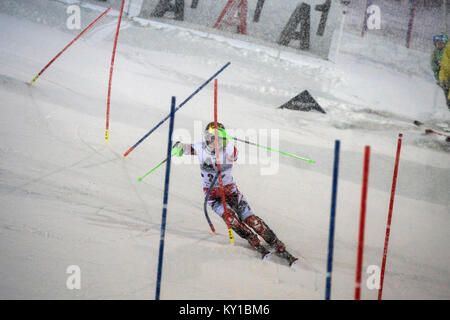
{"x": 181, "y": 149}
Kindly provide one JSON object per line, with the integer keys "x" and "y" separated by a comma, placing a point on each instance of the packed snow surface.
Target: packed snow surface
{"x": 70, "y": 198}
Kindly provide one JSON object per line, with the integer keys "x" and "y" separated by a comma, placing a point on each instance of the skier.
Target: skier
{"x": 444, "y": 73}
{"x": 238, "y": 213}
{"x": 439, "y": 45}
{"x": 440, "y": 42}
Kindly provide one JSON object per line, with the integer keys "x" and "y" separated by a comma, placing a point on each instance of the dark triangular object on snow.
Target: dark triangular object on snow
{"x": 303, "y": 102}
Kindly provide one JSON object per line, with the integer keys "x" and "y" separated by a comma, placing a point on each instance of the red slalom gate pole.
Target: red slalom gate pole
{"x": 411, "y": 23}
{"x": 365, "y": 19}
{"x": 243, "y": 26}
{"x": 108, "y": 104}
{"x": 391, "y": 206}
{"x": 65, "y": 48}
{"x": 359, "y": 261}
{"x": 216, "y": 143}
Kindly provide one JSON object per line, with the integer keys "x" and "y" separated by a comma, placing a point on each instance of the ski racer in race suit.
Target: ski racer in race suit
{"x": 239, "y": 215}
{"x": 444, "y": 73}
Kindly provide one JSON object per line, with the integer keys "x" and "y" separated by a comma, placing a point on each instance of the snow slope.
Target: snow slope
{"x": 68, "y": 198}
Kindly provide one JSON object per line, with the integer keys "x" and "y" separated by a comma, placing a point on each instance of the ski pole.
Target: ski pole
{"x": 205, "y": 204}
{"x": 176, "y": 109}
{"x": 176, "y": 151}
{"x": 65, "y": 48}
{"x": 153, "y": 169}
{"x": 223, "y": 134}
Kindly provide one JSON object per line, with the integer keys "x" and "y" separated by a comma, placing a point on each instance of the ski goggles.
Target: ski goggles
{"x": 211, "y": 131}
{"x": 440, "y": 37}
{"x": 210, "y": 135}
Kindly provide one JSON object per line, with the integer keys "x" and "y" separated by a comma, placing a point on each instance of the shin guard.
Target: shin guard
{"x": 262, "y": 229}
{"x": 241, "y": 229}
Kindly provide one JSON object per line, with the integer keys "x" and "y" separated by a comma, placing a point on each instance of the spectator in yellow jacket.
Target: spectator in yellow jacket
{"x": 444, "y": 73}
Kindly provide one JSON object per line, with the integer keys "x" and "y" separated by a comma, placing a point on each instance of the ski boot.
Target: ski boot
{"x": 265, "y": 253}
{"x": 283, "y": 253}
{"x": 289, "y": 257}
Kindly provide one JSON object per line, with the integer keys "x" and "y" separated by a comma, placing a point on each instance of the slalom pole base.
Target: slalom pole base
{"x": 34, "y": 79}
{"x": 230, "y": 234}
{"x": 129, "y": 150}
{"x": 106, "y": 135}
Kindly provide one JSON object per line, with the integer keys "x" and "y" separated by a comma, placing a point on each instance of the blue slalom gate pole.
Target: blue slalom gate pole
{"x": 176, "y": 109}
{"x": 165, "y": 200}
{"x": 337, "y": 147}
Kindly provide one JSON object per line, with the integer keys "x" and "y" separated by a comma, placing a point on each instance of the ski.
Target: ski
{"x": 431, "y": 126}
{"x": 266, "y": 253}
{"x": 432, "y": 131}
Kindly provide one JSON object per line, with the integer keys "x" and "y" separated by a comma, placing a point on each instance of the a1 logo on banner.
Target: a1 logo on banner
{"x": 302, "y": 17}
{"x": 300, "y": 24}
{"x": 303, "y": 24}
